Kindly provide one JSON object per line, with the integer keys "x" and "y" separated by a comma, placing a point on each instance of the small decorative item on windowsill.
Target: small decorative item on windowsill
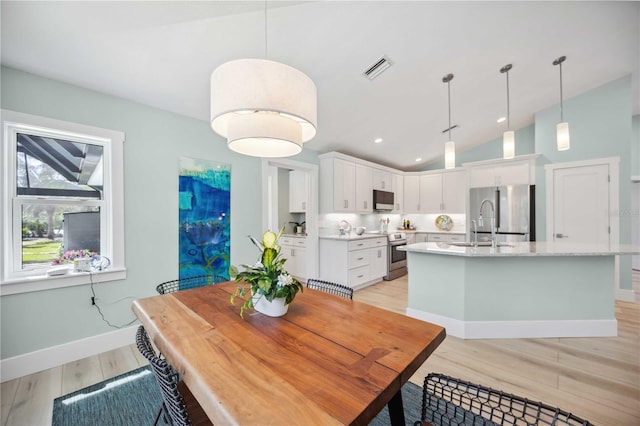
{"x": 81, "y": 259}
{"x": 271, "y": 287}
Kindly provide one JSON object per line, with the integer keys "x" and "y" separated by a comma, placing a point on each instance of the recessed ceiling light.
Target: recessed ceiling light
{"x": 501, "y": 119}
{"x": 418, "y": 159}
{"x": 378, "y": 140}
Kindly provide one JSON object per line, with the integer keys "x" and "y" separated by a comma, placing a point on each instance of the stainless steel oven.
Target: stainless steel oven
{"x": 397, "y": 260}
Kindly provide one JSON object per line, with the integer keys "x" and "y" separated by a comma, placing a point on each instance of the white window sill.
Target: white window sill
{"x": 45, "y": 282}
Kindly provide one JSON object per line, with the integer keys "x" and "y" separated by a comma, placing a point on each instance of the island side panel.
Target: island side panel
{"x": 514, "y": 296}
{"x": 539, "y": 288}
{"x": 436, "y": 284}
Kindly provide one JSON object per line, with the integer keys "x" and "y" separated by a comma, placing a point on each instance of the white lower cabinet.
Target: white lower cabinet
{"x": 445, "y": 238}
{"x": 354, "y": 263}
{"x": 294, "y": 249}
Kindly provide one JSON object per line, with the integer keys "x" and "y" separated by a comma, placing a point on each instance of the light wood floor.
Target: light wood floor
{"x": 595, "y": 378}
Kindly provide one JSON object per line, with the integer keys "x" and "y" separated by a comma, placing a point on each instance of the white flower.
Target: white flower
{"x": 258, "y": 265}
{"x": 284, "y": 279}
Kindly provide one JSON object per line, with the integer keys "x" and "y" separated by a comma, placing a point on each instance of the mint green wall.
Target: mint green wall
{"x": 525, "y": 144}
{"x": 155, "y": 141}
{"x": 599, "y": 126}
{"x": 635, "y": 146}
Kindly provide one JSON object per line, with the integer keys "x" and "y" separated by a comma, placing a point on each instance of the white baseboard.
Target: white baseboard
{"x": 625, "y": 295}
{"x": 519, "y": 329}
{"x": 43, "y": 359}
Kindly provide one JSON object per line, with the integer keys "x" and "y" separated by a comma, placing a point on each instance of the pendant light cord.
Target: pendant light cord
{"x": 508, "y": 109}
{"x": 561, "y": 112}
{"x": 449, "y": 98}
{"x": 265, "y": 29}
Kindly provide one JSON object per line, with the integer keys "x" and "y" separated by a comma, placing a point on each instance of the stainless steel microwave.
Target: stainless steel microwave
{"x": 383, "y": 200}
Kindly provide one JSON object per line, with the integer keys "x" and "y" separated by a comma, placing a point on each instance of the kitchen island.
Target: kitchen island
{"x": 516, "y": 291}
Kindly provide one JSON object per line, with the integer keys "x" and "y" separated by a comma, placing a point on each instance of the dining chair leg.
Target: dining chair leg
{"x": 396, "y": 409}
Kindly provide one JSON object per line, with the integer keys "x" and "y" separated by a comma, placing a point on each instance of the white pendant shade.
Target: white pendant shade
{"x": 508, "y": 144}
{"x": 562, "y": 134}
{"x": 450, "y": 155}
{"x": 263, "y": 108}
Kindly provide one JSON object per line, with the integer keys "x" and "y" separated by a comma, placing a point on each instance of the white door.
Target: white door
{"x": 635, "y": 222}
{"x": 581, "y": 204}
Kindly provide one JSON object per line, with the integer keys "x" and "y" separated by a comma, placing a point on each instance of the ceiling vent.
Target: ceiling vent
{"x": 377, "y": 68}
{"x": 455, "y": 126}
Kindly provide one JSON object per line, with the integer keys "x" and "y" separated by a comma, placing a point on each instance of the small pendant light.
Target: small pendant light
{"x": 562, "y": 128}
{"x": 508, "y": 137}
{"x": 450, "y": 146}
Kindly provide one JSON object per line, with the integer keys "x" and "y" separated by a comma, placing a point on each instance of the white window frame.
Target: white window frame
{"x": 13, "y": 278}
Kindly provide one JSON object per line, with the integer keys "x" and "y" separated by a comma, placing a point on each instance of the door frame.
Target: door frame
{"x": 311, "y": 216}
{"x": 614, "y": 192}
{"x": 614, "y": 208}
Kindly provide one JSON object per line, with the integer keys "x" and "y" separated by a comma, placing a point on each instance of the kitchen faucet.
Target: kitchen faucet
{"x": 475, "y": 233}
{"x": 493, "y": 220}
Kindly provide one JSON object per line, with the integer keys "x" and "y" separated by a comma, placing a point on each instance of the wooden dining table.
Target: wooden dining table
{"x": 329, "y": 360}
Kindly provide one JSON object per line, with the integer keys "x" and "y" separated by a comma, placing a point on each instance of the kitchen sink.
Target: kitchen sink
{"x": 480, "y": 244}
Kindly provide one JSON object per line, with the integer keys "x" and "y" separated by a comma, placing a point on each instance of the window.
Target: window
{"x": 62, "y": 194}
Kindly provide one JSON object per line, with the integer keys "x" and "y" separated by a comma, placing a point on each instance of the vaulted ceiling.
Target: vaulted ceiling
{"x": 162, "y": 54}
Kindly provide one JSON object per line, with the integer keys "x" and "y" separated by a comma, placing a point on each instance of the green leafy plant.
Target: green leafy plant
{"x": 268, "y": 277}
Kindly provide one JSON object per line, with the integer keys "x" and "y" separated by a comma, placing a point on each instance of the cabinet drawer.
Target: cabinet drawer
{"x": 296, "y": 242}
{"x": 358, "y": 276}
{"x": 378, "y": 242}
{"x": 358, "y": 244}
{"x": 358, "y": 258}
{"x": 448, "y": 238}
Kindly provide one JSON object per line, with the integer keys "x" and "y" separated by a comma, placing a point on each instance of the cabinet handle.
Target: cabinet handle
{"x": 382, "y": 184}
{"x": 418, "y": 207}
{"x": 304, "y": 205}
{"x": 441, "y": 206}
{"x": 346, "y": 204}
{"x": 379, "y": 253}
{"x": 365, "y": 205}
{"x": 292, "y": 253}
{"x": 360, "y": 276}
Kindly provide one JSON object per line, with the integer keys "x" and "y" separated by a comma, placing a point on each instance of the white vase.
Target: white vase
{"x": 276, "y": 308}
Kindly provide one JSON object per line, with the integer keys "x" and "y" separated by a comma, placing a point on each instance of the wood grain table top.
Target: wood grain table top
{"x": 329, "y": 360}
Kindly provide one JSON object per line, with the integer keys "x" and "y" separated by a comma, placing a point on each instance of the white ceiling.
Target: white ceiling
{"x": 162, "y": 54}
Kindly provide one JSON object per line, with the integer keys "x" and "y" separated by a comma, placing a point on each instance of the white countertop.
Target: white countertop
{"x": 523, "y": 249}
{"x": 352, "y": 236}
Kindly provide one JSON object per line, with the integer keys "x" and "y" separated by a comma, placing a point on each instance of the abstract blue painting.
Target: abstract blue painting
{"x": 204, "y": 205}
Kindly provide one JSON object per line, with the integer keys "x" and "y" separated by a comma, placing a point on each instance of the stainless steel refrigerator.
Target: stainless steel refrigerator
{"x": 514, "y": 212}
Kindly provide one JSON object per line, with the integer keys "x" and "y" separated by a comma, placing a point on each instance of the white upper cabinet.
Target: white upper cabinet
{"x": 454, "y": 192}
{"x": 520, "y": 171}
{"x": 442, "y": 192}
{"x": 337, "y": 185}
{"x": 298, "y": 190}
{"x": 431, "y": 193}
{"x": 397, "y": 187}
{"x": 347, "y": 183}
{"x": 364, "y": 189}
{"x": 411, "y": 194}
{"x": 383, "y": 180}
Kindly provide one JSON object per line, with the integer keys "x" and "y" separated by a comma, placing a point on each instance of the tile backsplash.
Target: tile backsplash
{"x": 328, "y": 224}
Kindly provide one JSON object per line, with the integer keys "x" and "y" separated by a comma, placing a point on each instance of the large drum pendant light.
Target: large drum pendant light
{"x": 264, "y": 108}
{"x": 508, "y": 137}
{"x": 450, "y": 145}
{"x": 562, "y": 128}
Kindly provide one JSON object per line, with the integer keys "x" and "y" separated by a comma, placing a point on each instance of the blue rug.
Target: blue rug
{"x": 133, "y": 399}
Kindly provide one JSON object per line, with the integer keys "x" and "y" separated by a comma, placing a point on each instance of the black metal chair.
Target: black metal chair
{"x": 178, "y": 403}
{"x": 187, "y": 283}
{"x": 449, "y": 401}
{"x": 331, "y": 288}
